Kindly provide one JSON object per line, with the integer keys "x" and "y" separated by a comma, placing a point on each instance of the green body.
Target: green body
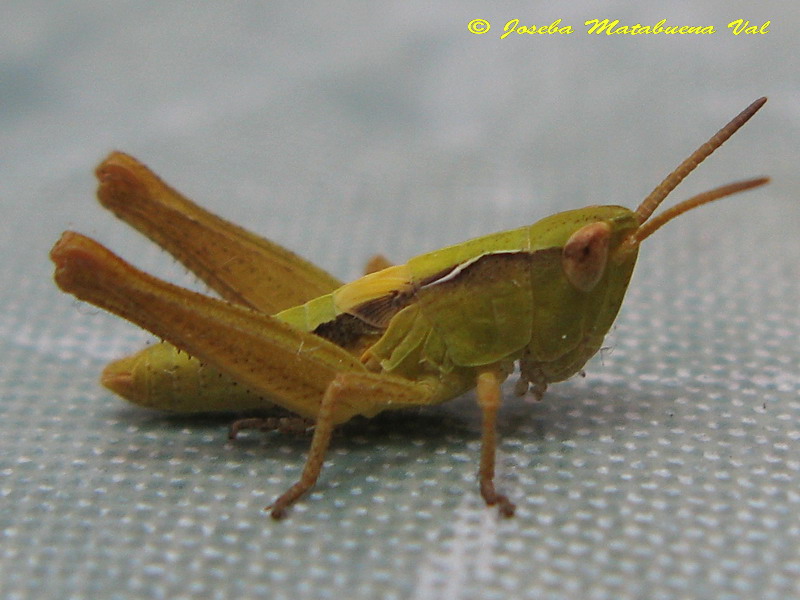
{"x": 499, "y": 298}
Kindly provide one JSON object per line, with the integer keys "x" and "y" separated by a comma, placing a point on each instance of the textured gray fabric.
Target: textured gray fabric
{"x": 670, "y": 471}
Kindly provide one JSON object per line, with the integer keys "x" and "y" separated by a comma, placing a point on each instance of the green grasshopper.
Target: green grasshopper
{"x": 287, "y": 334}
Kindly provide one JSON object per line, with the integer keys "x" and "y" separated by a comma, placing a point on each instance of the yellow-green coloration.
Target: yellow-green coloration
{"x": 165, "y": 378}
{"x": 289, "y": 336}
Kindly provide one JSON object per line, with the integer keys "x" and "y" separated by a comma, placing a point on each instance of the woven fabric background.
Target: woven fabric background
{"x": 341, "y": 130}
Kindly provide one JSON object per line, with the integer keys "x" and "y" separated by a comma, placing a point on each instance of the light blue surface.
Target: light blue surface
{"x": 670, "y": 471}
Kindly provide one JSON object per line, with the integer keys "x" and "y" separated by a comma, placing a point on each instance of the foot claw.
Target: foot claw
{"x": 505, "y": 507}
{"x": 278, "y": 513}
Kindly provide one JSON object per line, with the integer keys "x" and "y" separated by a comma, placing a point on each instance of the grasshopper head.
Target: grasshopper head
{"x": 598, "y": 249}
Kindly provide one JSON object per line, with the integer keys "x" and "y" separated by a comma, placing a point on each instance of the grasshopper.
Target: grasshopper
{"x": 287, "y": 334}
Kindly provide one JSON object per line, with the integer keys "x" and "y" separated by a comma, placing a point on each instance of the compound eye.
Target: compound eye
{"x": 585, "y": 255}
